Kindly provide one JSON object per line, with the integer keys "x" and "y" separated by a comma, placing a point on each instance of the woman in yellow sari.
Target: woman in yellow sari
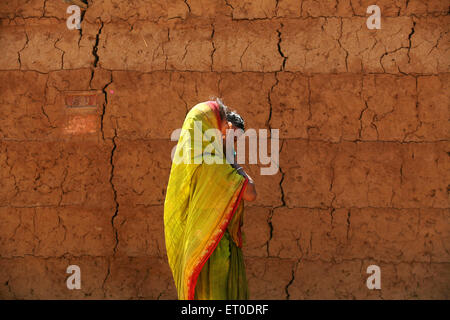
{"x": 203, "y": 210}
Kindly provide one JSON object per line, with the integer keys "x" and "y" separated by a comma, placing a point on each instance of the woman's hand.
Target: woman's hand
{"x": 250, "y": 191}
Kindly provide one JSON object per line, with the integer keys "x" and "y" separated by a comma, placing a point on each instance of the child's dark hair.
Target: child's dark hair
{"x": 230, "y": 116}
{"x": 236, "y": 120}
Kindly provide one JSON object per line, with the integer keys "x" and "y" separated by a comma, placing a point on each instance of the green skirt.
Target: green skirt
{"x": 223, "y": 275}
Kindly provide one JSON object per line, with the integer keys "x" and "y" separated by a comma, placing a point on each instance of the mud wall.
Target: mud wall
{"x": 364, "y": 142}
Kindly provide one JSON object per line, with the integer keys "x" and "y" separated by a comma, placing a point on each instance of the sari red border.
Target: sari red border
{"x": 215, "y": 107}
{"x": 212, "y": 247}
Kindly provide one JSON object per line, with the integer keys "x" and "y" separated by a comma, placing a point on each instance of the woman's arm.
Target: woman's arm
{"x": 250, "y": 191}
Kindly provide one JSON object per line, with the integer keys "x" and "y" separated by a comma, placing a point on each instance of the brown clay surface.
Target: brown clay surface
{"x": 364, "y": 142}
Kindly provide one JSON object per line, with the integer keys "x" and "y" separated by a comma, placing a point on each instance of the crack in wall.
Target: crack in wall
{"x": 63, "y": 52}
{"x": 44, "y": 8}
{"x": 348, "y": 223}
{"x": 10, "y": 166}
{"x": 360, "y": 120}
{"x": 108, "y": 273}
{"x": 9, "y": 289}
{"x": 374, "y": 117}
{"x": 116, "y": 212}
{"x": 243, "y": 53}
{"x": 409, "y": 40}
{"x": 272, "y": 209}
{"x": 95, "y": 48}
{"x": 187, "y": 5}
{"x": 419, "y": 122}
{"x": 386, "y": 53}
{"x": 105, "y": 103}
{"x": 408, "y": 48}
{"x": 181, "y": 96}
{"x": 229, "y": 5}
{"x": 340, "y": 44}
{"x": 269, "y": 100}
{"x": 269, "y": 219}
{"x": 19, "y": 59}
{"x": 214, "y": 47}
{"x": 294, "y": 269}
{"x": 45, "y": 102}
{"x": 283, "y": 65}
{"x": 61, "y": 186}
{"x": 332, "y": 217}
{"x": 332, "y": 179}
{"x": 185, "y": 50}
{"x": 441, "y": 35}
{"x": 163, "y": 50}
{"x": 81, "y": 29}
{"x": 276, "y": 8}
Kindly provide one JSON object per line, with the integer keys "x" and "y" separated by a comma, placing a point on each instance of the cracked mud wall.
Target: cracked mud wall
{"x": 364, "y": 151}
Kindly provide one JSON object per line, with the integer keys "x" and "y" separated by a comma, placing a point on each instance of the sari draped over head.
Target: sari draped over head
{"x": 201, "y": 201}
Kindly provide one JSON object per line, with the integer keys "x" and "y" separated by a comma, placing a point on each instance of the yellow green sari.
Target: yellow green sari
{"x": 203, "y": 214}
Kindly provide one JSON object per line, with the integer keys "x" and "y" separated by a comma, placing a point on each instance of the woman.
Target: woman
{"x": 203, "y": 212}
